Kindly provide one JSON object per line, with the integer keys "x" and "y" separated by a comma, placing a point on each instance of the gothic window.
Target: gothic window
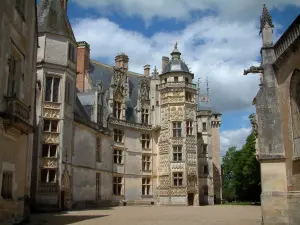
{"x": 52, "y": 89}
{"x": 49, "y": 151}
{"x": 118, "y": 136}
{"x": 204, "y": 148}
{"x": 295, "y": 112}
{"x": 118, "y": 156}
{"x": 177, "y": 153}
{"x": 7, "y": 185}
{"x": 98, "y": 185}
{"x": 48, "y": 175}
{"x": 145, "y": 116}
{"x": 177, "y": 179}
{"x": 188, "y": 96}
{"x": 189, "y": 127}
{"x": 204, "y": 127}
{"x": 146, "y": 186}
{"x": 177, "y": 129}
{"x": 117, "y": 185}
{"x": 68, "y": 92}
{"x": 51, "y": 126}
{"x": 146, "y": 141}
{"x": 146, "y": 163}
{"x": 98, "y": 149}
{"x": 117, "y": 111}
{"x": 16, "y": 76}
{"x": 72, "y": 53}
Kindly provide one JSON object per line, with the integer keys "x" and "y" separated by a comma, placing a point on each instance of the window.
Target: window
{"x": 117, "y": 185}
{"x": 118, "y": 136}
{"x": 20, "y": 5}
{"x": 118, "y": 156}
{"x": 72, "y": 53}
{"x": 186, "y": 80}
{"x": 98, "y": 185}
{"x": 99, "y": 114}
{"x": 51, "y": 125}
{"x": 117, "y": 110}
{"x": 204, "y": 128}
{"x": 188, "y": 96}
{"x": 7, "y": 185}
{"x": 176, "y": 129}
{"x": 177, "y": 179}
{"x": 98, "y": 149}
{"x": 189, "y": 127}
{"x": 145, "y": 116}
{"x": 48, "y": 176}
{"x": 157, "y": 87}
{"x": 157, "y": 103}
{"x": 175, "y": 79}
{"x": 52, "y": 89}
{"x": 68, "y": 93}
{"x": 49, "y": 151}
{"x": 166, "y": 80}
{"x": 145, "y": 186}
{"x": 146, "y": 162}
{"x": 16, "y": 76}
{"x": 177, "y": 153}
{"x": 204, "y": 148}
{"x": 145, "y": 140}
{"x": 205, "y": 169}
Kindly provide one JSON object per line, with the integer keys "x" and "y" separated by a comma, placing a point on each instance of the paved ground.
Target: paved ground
{"x": 156, "y": 215}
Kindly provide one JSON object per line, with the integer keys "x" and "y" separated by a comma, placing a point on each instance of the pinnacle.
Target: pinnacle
{"x": 265, "y": 18}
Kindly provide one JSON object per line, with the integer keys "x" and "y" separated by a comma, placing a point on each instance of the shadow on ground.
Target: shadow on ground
{"x": 60, "y": 219}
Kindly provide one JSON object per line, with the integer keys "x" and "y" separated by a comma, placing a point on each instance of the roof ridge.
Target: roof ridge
{"x": 111, "y": 67}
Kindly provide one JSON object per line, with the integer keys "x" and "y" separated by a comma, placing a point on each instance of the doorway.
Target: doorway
{"x": 190, "y": 199}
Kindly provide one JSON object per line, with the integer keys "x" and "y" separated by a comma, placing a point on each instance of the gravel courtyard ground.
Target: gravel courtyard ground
{"x": 156, "y": 215}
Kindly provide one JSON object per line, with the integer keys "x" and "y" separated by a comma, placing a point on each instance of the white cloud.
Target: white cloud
{"x": 230, "y": 138}
{"x": 210, "y": 46}
{"x": 181, "y": 9}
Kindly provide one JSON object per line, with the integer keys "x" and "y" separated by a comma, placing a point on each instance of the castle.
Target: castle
{"x": 111, "y": 136}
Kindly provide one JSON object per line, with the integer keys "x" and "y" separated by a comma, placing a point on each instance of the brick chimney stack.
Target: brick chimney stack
{"x": 147, "y": 70}
{"x": 83, "y": 64}
{"x": 64, "y": 4}
{"x": 121, "y": 61}
{"x": 165, "y": 61}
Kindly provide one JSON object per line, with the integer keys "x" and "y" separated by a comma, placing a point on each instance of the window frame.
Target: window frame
{"x": 189, "y": 127}
{"x": 53, "y": 79}
{"x": 117, "y": 110}
{"x": 118, "y": 136}
{"x": 177, "y": 153}
{"x": 50, "y": 126}
{"x": 118, "y": 155}
{"x": 98, "y": 149}
{"x": 98, "y": 185}
{"x": 178, "y": 177}
{"x": 177, "y": 129}
{"x": 49, "y": 155}
{"x": 146, "y": 163}
{"x": 47, "y": 176}
{"x": 72, "y": 53}
{"x": 204, "y": 126}
{"x": 7, "y": 187}
{"x": 146, "y": 186}
{"x": 118, "y": 182}
{"x": 145, "y": 141}
{"x": 144, "y": 116}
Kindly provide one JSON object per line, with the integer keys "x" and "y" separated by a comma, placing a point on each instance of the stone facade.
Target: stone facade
{"x": 278, "y": 106}
{"x": 109, "y": 136}
{"x": 18, "y": 48}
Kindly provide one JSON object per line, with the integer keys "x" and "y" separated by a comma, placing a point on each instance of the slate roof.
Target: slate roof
{"x": 104, "y": 73}
{"x": 53, "y": 19}
{"x": 176, "y": 63}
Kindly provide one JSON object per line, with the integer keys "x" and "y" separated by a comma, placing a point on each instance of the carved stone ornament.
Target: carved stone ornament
{"x": 145, "y": 88}
{"x": 254, "y": 69}
{"x": 119, "y": 77}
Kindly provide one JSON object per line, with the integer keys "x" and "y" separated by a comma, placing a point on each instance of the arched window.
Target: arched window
{"x": 295, "y": 112}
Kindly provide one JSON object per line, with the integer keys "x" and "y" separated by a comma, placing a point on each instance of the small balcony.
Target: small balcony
{"x": 17, "y": 116}
{"x": 181, "y": 84}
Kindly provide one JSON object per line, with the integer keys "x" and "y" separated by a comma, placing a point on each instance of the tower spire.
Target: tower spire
{"x": 175, "y": 53}
{"x": 265, "y": 18}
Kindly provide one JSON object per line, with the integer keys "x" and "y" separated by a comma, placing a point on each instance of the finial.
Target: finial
{"x": 175, "y": 46}
{"x": 265, "y": 18}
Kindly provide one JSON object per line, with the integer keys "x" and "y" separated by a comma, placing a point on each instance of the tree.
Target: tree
{"x": 241, "y": 172}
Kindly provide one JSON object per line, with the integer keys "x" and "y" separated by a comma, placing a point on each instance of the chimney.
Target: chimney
{"x": 64, "y": 4}
{"x": 121, "y": 61}
{"x": 83, "y": 64}
{"x": 165, "y": 61}
{"x": 147, "y": 70}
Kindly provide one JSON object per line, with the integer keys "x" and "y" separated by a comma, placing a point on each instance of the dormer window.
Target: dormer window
{"x": 145, "y": 116}
{"x": 175, "y": 79}
{"x": 117, "y": 110}
{"x": 72, "y": 53}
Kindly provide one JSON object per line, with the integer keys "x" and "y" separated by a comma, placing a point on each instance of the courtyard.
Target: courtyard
{"x": 156, "y": 215}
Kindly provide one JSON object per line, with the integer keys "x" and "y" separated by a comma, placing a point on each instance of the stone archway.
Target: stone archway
{"x": 295, "y": 114}
{"x": 66, "y": 190}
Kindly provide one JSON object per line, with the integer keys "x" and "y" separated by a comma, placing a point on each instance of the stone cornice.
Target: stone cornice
{"x": 137, "y": 126}
{"x": 271, "y": 156}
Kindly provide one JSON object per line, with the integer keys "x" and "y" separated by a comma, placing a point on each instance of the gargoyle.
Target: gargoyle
{"x": 254, "y": 69}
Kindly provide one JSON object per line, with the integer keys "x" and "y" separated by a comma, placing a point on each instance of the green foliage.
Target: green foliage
{"x": 241, "y": 173}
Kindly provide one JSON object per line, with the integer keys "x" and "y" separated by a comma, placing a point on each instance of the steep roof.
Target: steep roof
{"x": 104, "y": 73}
{"x": 52, "y": 18}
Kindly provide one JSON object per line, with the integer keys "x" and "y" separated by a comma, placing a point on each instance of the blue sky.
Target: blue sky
{"x": 217, "y": 40}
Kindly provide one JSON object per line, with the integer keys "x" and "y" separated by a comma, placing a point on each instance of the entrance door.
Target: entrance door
{"x": 190, "y": 198}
